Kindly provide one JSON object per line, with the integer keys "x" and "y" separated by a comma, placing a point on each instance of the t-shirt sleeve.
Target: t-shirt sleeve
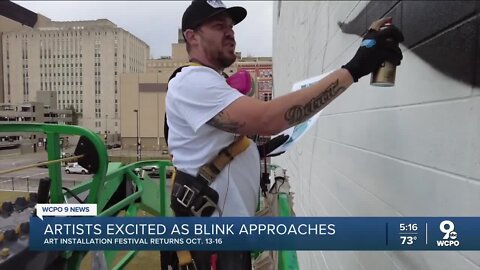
{"x": 201, "y": 94}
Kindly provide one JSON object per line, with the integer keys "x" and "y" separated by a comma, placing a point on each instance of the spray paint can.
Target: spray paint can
{"x": 385, "y": 75}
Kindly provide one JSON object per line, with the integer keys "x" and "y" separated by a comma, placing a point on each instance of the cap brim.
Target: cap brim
{"x": 237, "y": 14}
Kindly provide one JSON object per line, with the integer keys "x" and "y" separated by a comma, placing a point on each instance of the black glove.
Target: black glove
{"x": 377, "y": 47}
{"x": 268, "y": 147}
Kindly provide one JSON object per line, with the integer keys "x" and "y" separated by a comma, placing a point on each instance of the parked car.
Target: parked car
{"x": 75, "y": 168}
{"x": 152, "y": 168}
{"x": 66, "y": 155}
{"x": 168, "y": 174}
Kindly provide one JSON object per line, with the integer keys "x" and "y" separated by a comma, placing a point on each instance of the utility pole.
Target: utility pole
{"x": 106, "y": 129}
{"x": 139, "y": 153}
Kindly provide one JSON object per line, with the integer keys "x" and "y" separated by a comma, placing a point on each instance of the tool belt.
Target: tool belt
{"x": 192, "y": 195}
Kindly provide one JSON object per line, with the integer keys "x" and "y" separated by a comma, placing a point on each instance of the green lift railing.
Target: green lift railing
{"x": 147, "y": 194}
{"x": 287, "y": 259}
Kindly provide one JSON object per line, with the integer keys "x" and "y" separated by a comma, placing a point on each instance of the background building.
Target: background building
{"x": 14, "y": 18}
{"x": 143, "y": 110}
{"x": 31, "y": 112}
{"x": 167, "y": 64}
{"x": 145, "y": 92}
{"x": 81, "y": 61}
{"x": 409, "y": 150}
{"x": 260, "y": 69}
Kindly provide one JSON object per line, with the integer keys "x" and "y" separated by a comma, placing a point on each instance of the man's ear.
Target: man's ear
{"x": 190, "y": 36}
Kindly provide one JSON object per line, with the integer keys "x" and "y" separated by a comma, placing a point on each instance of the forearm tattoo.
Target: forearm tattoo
{"x": 223, "y": 121}
{"x": 299, "y": 113}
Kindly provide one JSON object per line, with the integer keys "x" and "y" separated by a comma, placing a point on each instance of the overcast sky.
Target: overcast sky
{"x": 157, "y": 22}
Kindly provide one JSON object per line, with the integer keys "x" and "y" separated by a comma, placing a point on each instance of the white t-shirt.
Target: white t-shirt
{"x": 195, "y": 96}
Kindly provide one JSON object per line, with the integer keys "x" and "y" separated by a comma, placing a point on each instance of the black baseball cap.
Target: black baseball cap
{"x": 200, "y": 11}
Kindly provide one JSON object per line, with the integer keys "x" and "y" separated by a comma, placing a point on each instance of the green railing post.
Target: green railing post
{"x": 54, "y": 170}
{"x": 163, "y": 206}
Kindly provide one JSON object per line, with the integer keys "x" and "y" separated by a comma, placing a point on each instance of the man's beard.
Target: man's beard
{"x": 225, "y": 58}
{"x": 226, "y": 61}
{"x": 219, "y": 58}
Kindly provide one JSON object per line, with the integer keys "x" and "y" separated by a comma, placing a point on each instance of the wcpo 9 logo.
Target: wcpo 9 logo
{"x": 450, "y": 235}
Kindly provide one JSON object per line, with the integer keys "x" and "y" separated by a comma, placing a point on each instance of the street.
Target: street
{"x": 27, "y": 180}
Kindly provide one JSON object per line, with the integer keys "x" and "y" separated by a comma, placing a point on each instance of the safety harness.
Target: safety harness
{"x": 192, "y": 195}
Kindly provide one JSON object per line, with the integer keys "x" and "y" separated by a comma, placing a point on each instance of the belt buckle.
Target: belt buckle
{"x": 209, "y": 202}
{"x": 188, "y": 195}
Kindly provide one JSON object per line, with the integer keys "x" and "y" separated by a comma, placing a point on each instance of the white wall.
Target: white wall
{"x": 409, "y": 150}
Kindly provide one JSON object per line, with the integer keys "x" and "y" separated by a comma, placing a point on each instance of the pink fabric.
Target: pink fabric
{"x": 241, "y": 81}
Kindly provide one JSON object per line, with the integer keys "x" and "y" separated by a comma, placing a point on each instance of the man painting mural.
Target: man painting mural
{"x": 205, "y": 116}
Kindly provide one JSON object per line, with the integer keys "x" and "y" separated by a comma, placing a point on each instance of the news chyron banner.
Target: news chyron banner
{"x": 256, "y": 233}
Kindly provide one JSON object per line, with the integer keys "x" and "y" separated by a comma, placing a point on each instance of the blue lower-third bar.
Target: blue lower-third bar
{"x": 256, "y": 233}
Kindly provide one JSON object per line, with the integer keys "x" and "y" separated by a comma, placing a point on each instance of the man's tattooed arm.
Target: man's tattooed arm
{"x": 299, "y": 113}
{"x": 223, "y": 121}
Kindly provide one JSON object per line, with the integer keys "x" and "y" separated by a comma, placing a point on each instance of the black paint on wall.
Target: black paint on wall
{"x": 422, "y": 19}
{"x": 377, "y": 9}
{"x": 477, "y": 64}
{"x": 445, "y": 34}
{"x": 453, "y": 52}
